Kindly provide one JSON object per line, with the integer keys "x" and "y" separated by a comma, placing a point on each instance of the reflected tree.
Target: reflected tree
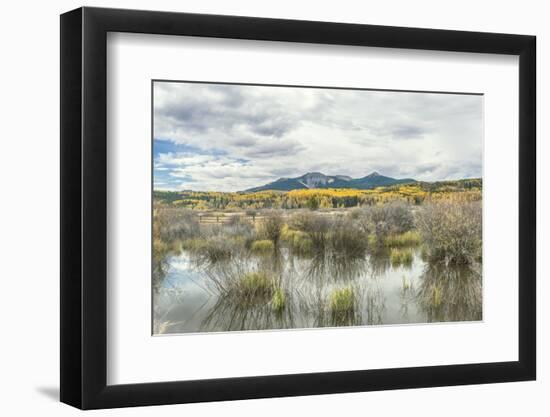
{"x": 451, "y": 292}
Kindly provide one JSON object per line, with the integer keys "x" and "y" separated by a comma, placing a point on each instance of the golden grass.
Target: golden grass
{"x": 262, "y": 246}
{"x": 410, "y": 238}
{"x": 401, "y": 257}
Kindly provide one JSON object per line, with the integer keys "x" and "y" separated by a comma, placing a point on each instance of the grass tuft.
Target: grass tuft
{"x": 212, "y": 250}
{"x": 409, "y": 238}
{"x": 278, "y": 301}
{"x": 254, "y": 287}
{"x": 194, "y": 244}
{"x": 401, "y": 257}
{"x": 342, "y": 303}
{"x": 436, "y": 296}
{"x": 262, "y": 246}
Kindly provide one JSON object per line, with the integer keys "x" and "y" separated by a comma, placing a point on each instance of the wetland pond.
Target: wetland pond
{"x": 293, "y": 291}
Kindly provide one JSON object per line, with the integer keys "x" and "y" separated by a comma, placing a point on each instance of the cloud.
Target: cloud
{"x": 232, "y": 137}
{"x": 407, "y": 132}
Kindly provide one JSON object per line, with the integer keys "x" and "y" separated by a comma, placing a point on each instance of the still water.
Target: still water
{"x": 186, "y": 301}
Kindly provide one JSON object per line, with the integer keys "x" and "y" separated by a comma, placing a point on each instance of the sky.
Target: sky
{"x": 222, "y": 137}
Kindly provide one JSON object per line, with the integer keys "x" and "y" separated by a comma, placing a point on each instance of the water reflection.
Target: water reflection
{"x": 322, "y": 291}
{"x": 450, "y": 293}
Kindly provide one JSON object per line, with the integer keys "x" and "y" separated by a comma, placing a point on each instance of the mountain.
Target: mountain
{"x": 319, "y": 180}
{"x": 376, "y": 180}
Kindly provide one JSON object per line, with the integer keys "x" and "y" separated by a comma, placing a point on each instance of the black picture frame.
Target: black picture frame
{"x": 84, "y": 207}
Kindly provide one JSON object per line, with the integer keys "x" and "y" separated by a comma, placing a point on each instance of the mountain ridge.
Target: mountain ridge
{"x": 320, "y": 180}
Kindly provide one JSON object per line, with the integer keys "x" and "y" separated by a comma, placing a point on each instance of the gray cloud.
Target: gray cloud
{"x": 270, "y": 132}
{"x": 407, "y": 132}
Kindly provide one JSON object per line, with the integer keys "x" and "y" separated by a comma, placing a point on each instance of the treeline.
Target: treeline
{"x": 417, "y": 193}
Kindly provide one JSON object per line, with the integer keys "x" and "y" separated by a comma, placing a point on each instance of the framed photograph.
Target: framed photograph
{"x": 258, "y": 207}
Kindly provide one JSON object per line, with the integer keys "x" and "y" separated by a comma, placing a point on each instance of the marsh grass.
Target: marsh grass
{"x": 302, "y": 245}
{"x": 286, "y": 265}
{"x": 160, "y": 261}
{"x": 436, "y": 296}
{"x": 410, "y": 238}
{"x": 211, "y": 250}
{"x": 287, "y": 234}
{"x": 401, "y": 257}
{"x": 372, "y": 242}
{"x": 160, "y": 249}
{"x": 253, "y": 288}
{"x": 242, "y": 282}
{"x": 194, "y": 244}
{"x": 342, "y": 305}
{"x": 177, "y": 229}
{"x": 278, "y": 301}
{"x": 262, "y": 246}
{"x": 375, "y": 305}
{"x": 295, "y": 240}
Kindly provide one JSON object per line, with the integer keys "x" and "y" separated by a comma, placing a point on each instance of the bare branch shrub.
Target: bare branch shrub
{"x": 177, "y": 224}
{"x": 346, "y": 239}
{"x": 452, "y": 230}
{"x": 315, "y": 226}
{"x": 388, "y": 219}
{"x": 272, "y": 226}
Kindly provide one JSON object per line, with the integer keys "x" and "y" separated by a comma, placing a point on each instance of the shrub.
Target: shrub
{"x": 251, "y": 213}
{"x": 211, "y": 250}
{"x": 242, "y": 233}
{"x": 160, "y": 249}
{"x": 262, "y": 246}
{"x": 176, "y": 224}
{"x": 234, "y": 220}
{"x": 424, "y": 253}
{"x": 401, "y": 257}
{"x": 160, "y": 253}
{"x": 272, "y": 226}
{"x": 387, "y": 219}
{"x": 355, "y": 213}
{"x": 452, "y": 231}
{"x": 347, "y": 240}
{"x": 315, "y": 226}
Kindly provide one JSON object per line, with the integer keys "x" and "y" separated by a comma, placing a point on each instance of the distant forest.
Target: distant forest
{"x": 317, "y": 198}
